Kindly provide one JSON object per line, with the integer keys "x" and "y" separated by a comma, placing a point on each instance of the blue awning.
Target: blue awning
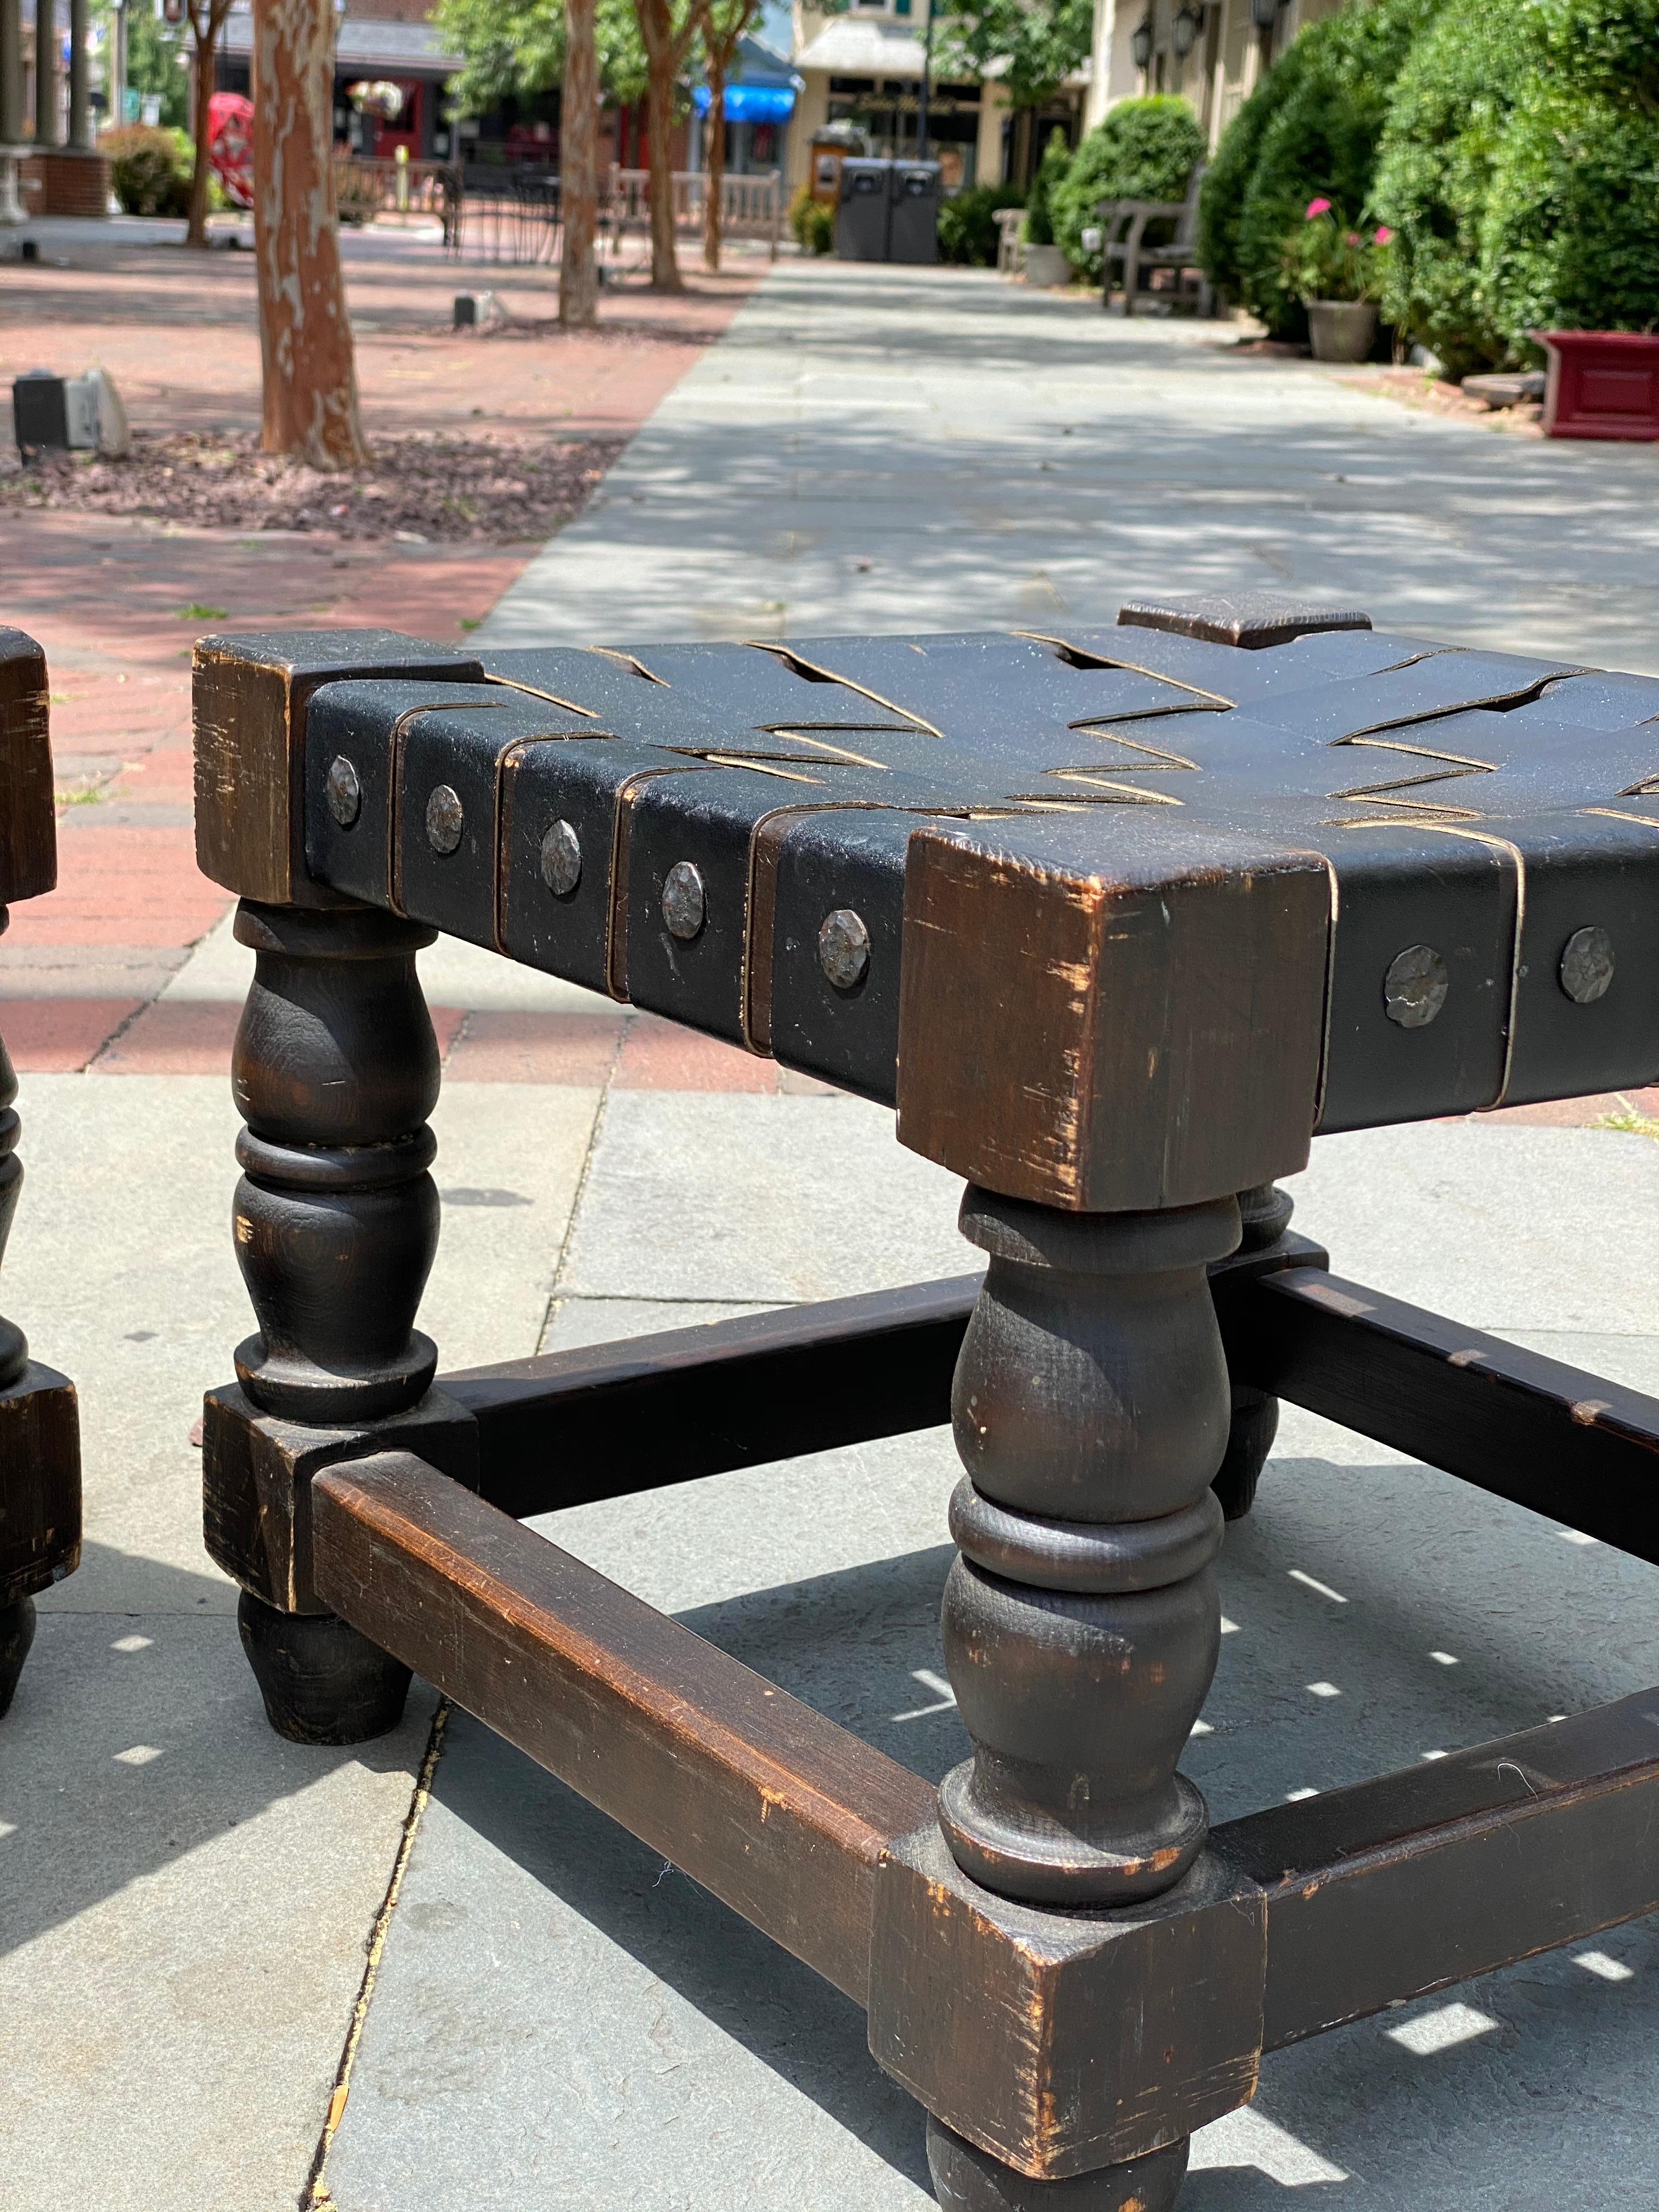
{"x": 750, "y": 103}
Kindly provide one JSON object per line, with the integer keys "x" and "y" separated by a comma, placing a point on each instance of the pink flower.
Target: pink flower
{"x": 1352, "y": 238}
{"x": 1383, "y": 233}
{"x": 1317, "y": 207}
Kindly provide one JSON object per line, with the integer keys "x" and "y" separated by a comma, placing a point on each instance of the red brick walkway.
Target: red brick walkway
{"x": 112, "y": 601}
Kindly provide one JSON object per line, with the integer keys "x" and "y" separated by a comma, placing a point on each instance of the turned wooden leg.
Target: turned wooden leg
{"x": 1265, "y": 1214}
{"x": 39, "y": 1445}
{"x": 1081, "y": 1621}
{"x": 336, "y": 1071}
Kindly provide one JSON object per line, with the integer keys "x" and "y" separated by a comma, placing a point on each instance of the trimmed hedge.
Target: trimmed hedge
{"x": 1227, "y": 180}
{"x": 967, "y": 223}
{"x": 1451, "y": 108}
{"x": 1145, "y": 149}
{"x": 148, "y": 174}
{"x": 1572, "y": 235}
{"x": 1039, "y": 224}
{"x": 1322, "y": 140}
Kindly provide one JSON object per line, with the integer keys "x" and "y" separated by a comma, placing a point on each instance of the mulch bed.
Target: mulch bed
{"x": 436, "y": 487}
{"x": 1420, "y": 388}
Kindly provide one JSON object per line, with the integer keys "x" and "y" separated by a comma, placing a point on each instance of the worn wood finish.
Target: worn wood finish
{"x": 1395, "y": 1886}
{"x": 1059, "y": 2042}
{"x": 29, "y": 831}
{"x": 1059, "y": 1017}
{"x": 1529, "y": 1429}
{"x": 336, "y": 1224}
{"x": 780, "y": 1812}
{"x": 968, "y": 2179}
{"x": 1081, "y": 1620}
{"x": 250, "y": 694}
{"x": 605, "y": 1421}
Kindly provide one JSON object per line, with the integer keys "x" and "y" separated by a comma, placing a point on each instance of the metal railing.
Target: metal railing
{"x": 366, "y": 186}
{"x": 751, "y": 206}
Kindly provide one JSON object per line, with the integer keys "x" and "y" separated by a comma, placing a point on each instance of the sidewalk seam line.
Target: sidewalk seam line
{"x": 553, "y": 1298}
{"x": 315, "y": 2196}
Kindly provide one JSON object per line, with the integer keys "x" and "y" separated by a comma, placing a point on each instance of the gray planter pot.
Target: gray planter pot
{"x": 1342, "y": 330}
{"x": 1047, "y": 265}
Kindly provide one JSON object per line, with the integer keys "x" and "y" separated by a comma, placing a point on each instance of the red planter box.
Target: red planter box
{"x": 1602, "y": 384}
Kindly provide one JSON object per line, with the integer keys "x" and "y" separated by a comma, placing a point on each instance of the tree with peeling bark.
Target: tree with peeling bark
{"x": 207, "y": 19}
{"x": 579, "y": 169}
{"x": 723, "y": 25}
{"x": 666, "y": 30}
{"x": 305, "y": 333}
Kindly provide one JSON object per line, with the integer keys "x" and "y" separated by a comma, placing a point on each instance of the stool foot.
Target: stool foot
{"x": 322, "y": 1681}
{"x": 17, "y": 1634}
{"x": 967, "y": 2179}
{"x": 1249, "y": 1439}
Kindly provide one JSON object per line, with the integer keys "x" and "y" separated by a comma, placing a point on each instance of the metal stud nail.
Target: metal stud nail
{"x": 1586, "y": 965}
{"x": 445, "y": 819}
{"x": 844, "y": 948}
{"x": 1414, "y": 989}
{"x": 562, "y": 859}
{"x": 345, "y": 793}
{"x": 683, "y": 908}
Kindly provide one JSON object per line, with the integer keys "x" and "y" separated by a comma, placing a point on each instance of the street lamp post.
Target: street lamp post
{"x": 926, "y": 72}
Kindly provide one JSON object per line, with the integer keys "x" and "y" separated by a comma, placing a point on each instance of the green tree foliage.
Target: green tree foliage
{"x": 155, "y": 51}
{"x": 515, "y": 48}
{"x": 1322, "y": 141}
{"x": 1571, "y": 239}
{"x": 968, "y": 225}
{"x": 1145, "y": 149}
{"x": 1451, "y": 108}
{"x": 146, "y": 172}
{"x": 1034, "y": 49}
{"x": 1051, "y": 175}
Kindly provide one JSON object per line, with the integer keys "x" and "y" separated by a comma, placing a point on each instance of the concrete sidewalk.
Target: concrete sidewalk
{"x": 911, "y": 449}
{"x": 194, "y": 1917}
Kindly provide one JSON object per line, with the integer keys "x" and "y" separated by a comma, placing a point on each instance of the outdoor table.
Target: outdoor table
{"x": 1117, "y": 919}
{"x": 39, "y": 1428}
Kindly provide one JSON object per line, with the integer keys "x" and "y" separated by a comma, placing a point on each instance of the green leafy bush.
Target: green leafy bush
{"x": 1039, "y": 225}
{"x": 1227, "y": 180}
{"x": 1571, "y": 239}
{"x": 1322, "y": 141}
{"x": 967, "y": 224}
{"x": 1145, "y": 149}
{"x": 812, "y": 224}
{"x": 146, "y": 172}
{"x": 1447, "y": 121}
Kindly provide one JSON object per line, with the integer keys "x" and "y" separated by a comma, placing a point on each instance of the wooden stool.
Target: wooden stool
{"x": 40, "y": 1430}
{"x": 1117, "y": 920}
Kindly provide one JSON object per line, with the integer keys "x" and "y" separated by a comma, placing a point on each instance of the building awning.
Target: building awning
{"x": 362, "y": 48}
{"x": 750, "y": 103}
{"x": 847, "y": 46}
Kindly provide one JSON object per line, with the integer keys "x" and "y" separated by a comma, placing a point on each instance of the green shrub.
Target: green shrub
{"x": 967, "y": 224}
{"x": 1322, "y": 142}
{"x": 812, "y": 223}
{"x": 1227, "y": 180}
{"x": 146, "y": 172}
{"x": 1039, "y": 225}
{"x": 1145, "y": 149}
{"x": 1450, "y": 110}
{"x": 1571, "y": 236}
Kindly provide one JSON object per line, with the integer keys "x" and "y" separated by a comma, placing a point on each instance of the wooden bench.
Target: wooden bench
{"x": 39, "y": 1429}
{"x": 1010, "y": 246}
{"x": 1116, "y": 919}
{"x": 1124, "y": 247}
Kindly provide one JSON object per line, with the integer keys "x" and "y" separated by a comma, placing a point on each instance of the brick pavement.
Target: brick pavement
{"x": 114, "y": 603}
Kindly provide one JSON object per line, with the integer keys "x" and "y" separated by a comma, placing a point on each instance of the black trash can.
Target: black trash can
{"x": 913, "y": 233}
{"x": 861, "y": 212}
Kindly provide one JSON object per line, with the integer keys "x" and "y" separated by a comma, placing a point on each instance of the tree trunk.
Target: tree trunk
{"x": 206, "y": 39}
{"x": 305, "y": 334}
{"x": 578, "y": 170}
{"x": 714, "y": 159}
{"x": 662, "y": 59}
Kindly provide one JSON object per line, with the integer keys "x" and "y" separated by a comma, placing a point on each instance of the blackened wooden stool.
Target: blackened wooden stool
{"x": 39, "y": 1428}
{"x": 1117, "y": 919}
